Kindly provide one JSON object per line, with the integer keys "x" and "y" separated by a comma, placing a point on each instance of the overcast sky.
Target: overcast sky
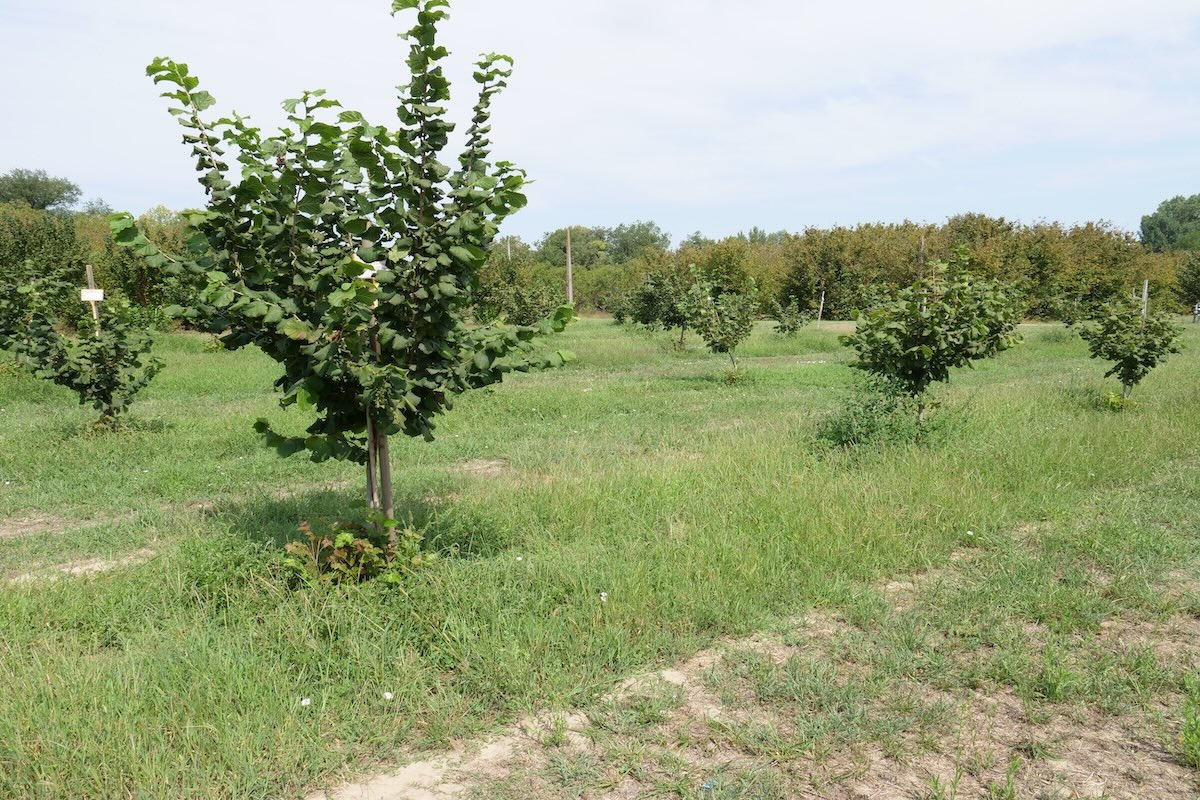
{"x": 698, "y": 114}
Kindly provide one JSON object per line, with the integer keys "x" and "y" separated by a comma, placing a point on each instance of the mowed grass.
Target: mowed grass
{"x": 698, "y": 509}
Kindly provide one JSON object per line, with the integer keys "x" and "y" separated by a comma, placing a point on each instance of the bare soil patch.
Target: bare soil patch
{"x": 484, "y": 467}
{"x": 30, "y": 526}
{"x": 91, "y": 566}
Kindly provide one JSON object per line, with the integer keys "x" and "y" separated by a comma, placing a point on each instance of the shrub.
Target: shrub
{"x": 43, "y": 237}
{"x": 517, "y": 303}
{"x": 106, "y": 367}
{"x": 25, "y": 292}
{"x": 1135, "y": 344}
{"x": 1188, "y": 281}
{"x": 656, "y": 302}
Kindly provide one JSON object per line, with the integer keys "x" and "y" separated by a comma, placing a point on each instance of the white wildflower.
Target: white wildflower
{"x": 604, "y": 597}
{"x": 388, "y": 695}
{"x": 306, "y": 701}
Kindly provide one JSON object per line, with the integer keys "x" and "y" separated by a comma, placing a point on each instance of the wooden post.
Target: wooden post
{"x": 1145, "y": 299}
{"x": 921, "y": 277}
{"x": 91, "y": 282}
{"x": 570, "y": 272}
{"x": 821, "y": 310}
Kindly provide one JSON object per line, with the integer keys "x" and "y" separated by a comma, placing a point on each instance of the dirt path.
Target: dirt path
{"x": 744, "y": 720}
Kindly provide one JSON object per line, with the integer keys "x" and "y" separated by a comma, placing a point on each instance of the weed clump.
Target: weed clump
{"x": 879, "y": 412}
{"x": 353, "y": 552}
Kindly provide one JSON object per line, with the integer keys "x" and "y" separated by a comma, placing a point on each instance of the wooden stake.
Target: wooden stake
{"x": 1145, "y": 299}
{"x": 570, "y": 273}
{"x": 91, "y": 282}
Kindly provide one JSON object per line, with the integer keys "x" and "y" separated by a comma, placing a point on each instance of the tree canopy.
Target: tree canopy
{"x": 37, "y": 189}
{"x": 1175, "y": 225}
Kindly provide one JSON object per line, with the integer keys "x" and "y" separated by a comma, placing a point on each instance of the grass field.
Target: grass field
{"x": 609, "y": 519}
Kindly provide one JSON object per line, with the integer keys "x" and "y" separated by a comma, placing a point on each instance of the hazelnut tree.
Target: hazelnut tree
{"x": 106, "y": 366}
{"x": 944, "y": 321}
{"x": 1135, "y": 341}
{"x": 347, "y": 251}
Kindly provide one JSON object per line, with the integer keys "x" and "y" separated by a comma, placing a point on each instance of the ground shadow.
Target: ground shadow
{"x": 450, "y": 527}
{"x": 66, "y": 431}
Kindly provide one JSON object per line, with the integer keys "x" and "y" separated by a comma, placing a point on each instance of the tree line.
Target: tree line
{"x": 835, "y": 270}
{"x": 1054, "y": 267}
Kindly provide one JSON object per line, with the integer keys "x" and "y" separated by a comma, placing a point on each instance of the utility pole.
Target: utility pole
{"x": 570, "y": 272}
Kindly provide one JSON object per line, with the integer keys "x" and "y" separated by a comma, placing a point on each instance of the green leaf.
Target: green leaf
{"x": 203, "y": 100}
{"x": 296, "y": 329}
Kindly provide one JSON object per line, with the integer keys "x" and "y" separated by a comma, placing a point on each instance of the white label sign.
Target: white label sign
{"x": 91, "y": 295}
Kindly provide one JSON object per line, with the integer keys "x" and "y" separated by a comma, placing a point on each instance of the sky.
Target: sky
{"x": 700, "y": 115}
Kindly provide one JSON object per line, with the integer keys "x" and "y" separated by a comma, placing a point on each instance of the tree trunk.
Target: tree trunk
{"x": 379, "y": 465}
{"x": 372, "y": 494}
{"x": 383, "y": 456}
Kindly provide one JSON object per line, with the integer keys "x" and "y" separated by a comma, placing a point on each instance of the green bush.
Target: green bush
{"x": 41, "y": 237}
{"x": 518, "y": 304}
{"x": 656, "y": 302}
{"x": 790, "y": 318}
